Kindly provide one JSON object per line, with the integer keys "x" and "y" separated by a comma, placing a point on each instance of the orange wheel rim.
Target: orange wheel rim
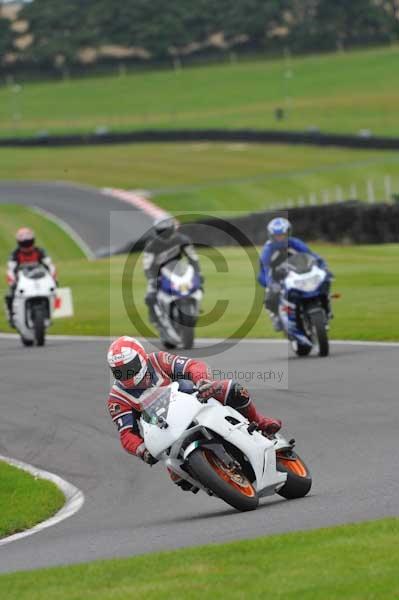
{"x": 296, "y": 466}
{"x": 236, "y": 480}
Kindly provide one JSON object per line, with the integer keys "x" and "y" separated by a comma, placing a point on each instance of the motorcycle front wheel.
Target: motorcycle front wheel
{"x": 187, "y": 324}
{"x": 39, "y": 326}
{"x": 299, "y": 479}
{"x": 318, "y": 323}
{"x": 229, "y": 484}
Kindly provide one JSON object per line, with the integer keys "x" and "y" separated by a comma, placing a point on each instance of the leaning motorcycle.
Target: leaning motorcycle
{"x": 178, "y": 304}
{"x": 304, "y": 304}
{"x": 33, "y": 304}
{"x": 213, "y": 448}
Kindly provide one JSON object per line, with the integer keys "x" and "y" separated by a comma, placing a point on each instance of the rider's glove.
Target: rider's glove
{"x": 207, "y": 388}
{"x": 145, "y": 455}
{"x": 148, "y": 458}
{"x": 274, "y": 287}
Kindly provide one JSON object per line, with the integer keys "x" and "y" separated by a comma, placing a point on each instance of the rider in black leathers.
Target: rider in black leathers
{"x": 165, "y": 244}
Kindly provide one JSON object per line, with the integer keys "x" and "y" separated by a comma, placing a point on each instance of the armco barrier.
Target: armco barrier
{"x": 207, "y": 135}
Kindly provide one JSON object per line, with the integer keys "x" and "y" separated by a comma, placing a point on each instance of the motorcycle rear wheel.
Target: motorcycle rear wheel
{"x": 299, "y": 479}
{"x": 229, "y": 485}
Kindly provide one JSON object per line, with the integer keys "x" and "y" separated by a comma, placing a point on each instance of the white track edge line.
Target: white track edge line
{"x": 202, "y": 341}
{"x": 74, "y": 499}
{"x": 67, "y": 229}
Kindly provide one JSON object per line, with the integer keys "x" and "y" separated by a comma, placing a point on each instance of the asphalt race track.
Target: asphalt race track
{"x": 342, "y": 410}
{"x": 85, "y": 209}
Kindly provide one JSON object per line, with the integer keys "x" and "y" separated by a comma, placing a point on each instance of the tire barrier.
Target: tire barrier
{"x": 350, "y": 222}
{"x": 313, "y": 138}
{"x": 353, "y": 222}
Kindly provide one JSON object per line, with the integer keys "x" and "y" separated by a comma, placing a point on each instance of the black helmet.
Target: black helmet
{"x": 165, "y": 226}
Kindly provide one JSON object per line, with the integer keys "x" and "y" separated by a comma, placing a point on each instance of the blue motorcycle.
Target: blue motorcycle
{"x": 178, "y": 304}
{"x": 304, "y": 306}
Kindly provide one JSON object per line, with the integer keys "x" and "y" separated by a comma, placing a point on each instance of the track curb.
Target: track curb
{"x": 74, "y": 499}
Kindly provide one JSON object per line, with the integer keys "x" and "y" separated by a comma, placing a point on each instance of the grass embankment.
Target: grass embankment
{"x": 25, "y": 500}
{"x": 48, "y": 234}
{"x": 342, "y": 92}
{"x": 212, "y": 177}
{"x": 357, "y": 562}
{"x": 367, "y": 277}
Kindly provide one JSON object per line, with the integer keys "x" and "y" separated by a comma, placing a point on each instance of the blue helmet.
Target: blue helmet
{"x": 279, "y": 227}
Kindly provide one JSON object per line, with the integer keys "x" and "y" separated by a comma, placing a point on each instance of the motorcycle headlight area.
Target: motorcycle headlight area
{"x": 309, "y": 284}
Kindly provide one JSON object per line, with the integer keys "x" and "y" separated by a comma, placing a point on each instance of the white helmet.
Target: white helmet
{"x": 279, "y": 227}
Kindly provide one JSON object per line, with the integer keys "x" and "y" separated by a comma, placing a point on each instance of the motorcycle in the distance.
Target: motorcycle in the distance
{"x": 33, "y": 303}
{"x": 212, "y": 447}
{"x": 304, "y": 305}
{"x": 178, "y": 304}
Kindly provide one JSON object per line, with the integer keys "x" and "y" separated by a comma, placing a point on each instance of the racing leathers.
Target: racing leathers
{"x": 163, "y": 369}
{"x": 19, "y": 258}
{"x": 272, "y": 256}
{"x": 158, "y": 252}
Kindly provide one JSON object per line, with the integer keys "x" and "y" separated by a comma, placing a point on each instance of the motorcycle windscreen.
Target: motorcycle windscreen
{"x": 301, "y": 263}
{"x": 154, "y": 404}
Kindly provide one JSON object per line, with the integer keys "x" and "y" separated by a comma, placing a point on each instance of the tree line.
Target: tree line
{"x": 59, "y": 32}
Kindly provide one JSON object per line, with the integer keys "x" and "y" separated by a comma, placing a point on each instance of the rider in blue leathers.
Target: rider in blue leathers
{"x": 276, "y": 250}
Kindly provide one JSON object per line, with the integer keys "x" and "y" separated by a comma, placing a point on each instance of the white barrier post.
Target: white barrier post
{"x": 353, "y": 192}
{"x": 370, "y": 192}
{"x": 339, "y": 194}
{"x": 388, "y": 188}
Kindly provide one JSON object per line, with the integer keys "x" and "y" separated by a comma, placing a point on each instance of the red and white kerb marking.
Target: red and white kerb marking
{"x": 138, "y": 201}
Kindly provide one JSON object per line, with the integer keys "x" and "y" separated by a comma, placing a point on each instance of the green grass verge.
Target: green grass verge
{"x": 48, "y": 234}
{"x": 211, "y": 177}
{"x": 25, "y": 500}
{"x": 342, "y": 92}
{"x": 367, "y": 277}
{"x": 357, "y": 562}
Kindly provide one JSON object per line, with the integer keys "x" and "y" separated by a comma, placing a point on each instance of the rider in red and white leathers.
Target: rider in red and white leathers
{"x": 126, "y": 356}
{"x": 26, "y": 253}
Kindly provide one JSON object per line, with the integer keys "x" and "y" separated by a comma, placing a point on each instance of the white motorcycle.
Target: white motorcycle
{"x": 33, "y": 304}
{"x": 178, "y": 304}
{"x": 215, "y": 449}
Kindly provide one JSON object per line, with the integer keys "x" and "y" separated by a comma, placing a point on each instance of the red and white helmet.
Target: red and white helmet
{"x": 128, "y": 361}
{"x": 25, "y": 237}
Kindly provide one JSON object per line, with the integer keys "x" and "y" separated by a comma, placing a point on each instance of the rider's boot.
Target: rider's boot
{"x": 276, "y": 322}
{"x": 267, "y": 425}
{"x": 183, "y": 484}
{"x": 330, "y": 314}
{"x": 8, "y": 300}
